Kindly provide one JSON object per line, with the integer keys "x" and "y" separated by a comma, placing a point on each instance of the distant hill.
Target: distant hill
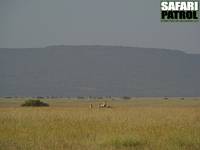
{"x": 98, "y": 71}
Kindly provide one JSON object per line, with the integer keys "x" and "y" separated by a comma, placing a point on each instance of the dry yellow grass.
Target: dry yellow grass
{"x": 132, "y": 124}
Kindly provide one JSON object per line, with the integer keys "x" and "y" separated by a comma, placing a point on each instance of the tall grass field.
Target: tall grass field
{"x": 70, "y": 124}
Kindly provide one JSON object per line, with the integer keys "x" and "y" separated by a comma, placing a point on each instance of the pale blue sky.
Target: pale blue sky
{"x": 39, "y": 23}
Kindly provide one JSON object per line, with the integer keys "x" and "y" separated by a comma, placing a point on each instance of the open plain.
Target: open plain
{"x": 70, "y": 124}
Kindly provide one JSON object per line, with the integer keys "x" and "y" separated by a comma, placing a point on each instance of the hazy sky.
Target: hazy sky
{"x": 39, "y": 23}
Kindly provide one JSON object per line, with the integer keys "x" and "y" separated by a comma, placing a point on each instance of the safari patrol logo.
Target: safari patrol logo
{"x": 179, "y": 11}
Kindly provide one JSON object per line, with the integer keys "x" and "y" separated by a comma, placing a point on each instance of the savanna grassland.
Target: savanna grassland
{"x": 140, "y": 123}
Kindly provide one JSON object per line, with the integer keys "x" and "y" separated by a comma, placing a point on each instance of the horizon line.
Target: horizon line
{"x": 98, "y": 45}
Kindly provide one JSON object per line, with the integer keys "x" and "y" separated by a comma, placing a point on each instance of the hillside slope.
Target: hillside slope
{"x": 98, "y": 71}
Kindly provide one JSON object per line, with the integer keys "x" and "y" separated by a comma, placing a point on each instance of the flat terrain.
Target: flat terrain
{"x": 139, "y": 123}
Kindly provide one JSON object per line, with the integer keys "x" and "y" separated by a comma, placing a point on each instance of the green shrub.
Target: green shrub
{"x": 125, "y": 142}
{"x": 126, "y": 97}
{"x": 34, "y": 103}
